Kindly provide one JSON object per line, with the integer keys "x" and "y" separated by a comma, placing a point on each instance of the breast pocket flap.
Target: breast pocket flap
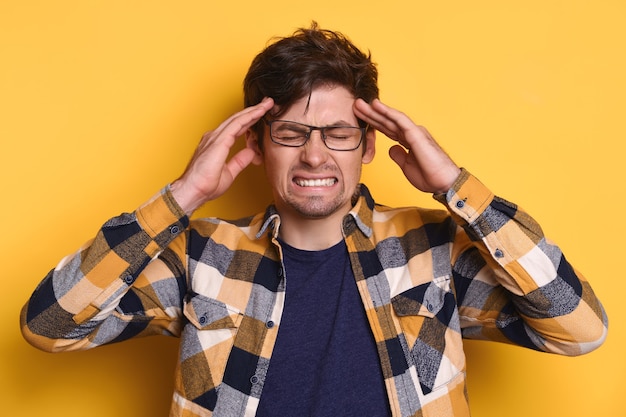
{"x": 423, "y": 300}
{"x": 210, "y": 314}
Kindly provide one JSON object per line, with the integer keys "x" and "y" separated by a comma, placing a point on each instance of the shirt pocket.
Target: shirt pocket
{"x": 206, "y": 343}
{"x": 210, "y": 314}
{"x": 429, "y": 320}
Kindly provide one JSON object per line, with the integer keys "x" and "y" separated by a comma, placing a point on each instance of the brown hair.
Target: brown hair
{"x": 291, "y": 67}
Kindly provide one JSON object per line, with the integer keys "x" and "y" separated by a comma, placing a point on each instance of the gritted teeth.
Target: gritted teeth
{"x": 322, "y": 182}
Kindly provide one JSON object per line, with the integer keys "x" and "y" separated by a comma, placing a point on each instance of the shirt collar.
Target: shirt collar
{"x": 271, "y": 222}
{"x": 360, "y": 216}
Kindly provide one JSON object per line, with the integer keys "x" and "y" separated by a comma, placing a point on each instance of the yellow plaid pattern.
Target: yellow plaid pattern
{"x": 481, "y": 269}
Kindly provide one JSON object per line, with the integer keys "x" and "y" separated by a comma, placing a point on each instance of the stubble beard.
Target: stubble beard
{"x": 316, "y": 207}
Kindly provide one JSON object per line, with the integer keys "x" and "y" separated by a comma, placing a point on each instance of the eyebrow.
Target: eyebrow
{"x": 336, "y": 123}
{"x": 343, "y": 122}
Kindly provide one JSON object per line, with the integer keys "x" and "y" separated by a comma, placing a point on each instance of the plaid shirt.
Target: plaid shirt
{"x": 427, "y": 278}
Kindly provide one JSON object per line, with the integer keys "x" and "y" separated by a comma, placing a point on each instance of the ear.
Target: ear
{"x": 370, "y": 146}
{"x": 252, "y": 142}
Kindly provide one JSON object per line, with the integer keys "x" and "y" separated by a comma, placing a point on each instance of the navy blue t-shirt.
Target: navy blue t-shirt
{"x": 325, "y": 362}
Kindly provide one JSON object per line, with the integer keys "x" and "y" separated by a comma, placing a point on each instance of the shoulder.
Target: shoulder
{"x": 214, "y": 226}
{"x": 395, "y": 222}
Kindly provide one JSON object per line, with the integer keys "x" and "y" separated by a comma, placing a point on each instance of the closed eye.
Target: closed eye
{"x": 289, "y": 133}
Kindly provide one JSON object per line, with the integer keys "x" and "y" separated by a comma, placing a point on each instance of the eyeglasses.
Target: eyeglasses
{"x": 336, "y": 138}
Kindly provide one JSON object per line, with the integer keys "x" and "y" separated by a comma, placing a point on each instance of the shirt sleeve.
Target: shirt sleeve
{"x": 127, "y": 281}
{"x": 512, "y": 283}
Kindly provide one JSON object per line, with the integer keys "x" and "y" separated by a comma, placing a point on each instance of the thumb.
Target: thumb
{"x": 240, "y": 161}
{"x": 398, "y": 154}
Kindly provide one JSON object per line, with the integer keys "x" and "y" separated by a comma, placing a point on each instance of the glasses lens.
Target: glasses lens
{"x": 343, "y": 138}
{"x": 289, "y": 133}
{"x": 339, "y": 138}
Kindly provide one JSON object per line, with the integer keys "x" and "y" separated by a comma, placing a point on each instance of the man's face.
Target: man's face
{"x": 313, "y": 181}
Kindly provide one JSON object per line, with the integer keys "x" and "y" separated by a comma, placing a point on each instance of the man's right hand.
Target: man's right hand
{"x": 208, "y": 175}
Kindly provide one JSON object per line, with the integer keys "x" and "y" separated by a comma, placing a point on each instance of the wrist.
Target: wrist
{"x": 451, "y": 179}
{"x": 188, "y": 200}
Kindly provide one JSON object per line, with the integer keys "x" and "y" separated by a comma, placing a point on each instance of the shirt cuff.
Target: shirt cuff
{"x": 467, "y": 199}
{"x": 162, "y": 219}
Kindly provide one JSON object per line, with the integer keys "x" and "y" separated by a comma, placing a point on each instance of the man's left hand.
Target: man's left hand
{"x": 422, "y": 160}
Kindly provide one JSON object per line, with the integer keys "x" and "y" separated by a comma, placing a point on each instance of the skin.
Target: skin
{"x": 311, "y": 213}
{"x": 427, "y": 167}
{"x": 312, "y": 185}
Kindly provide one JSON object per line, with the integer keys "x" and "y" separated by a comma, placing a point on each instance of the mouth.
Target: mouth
{"x": 317, "y": 182}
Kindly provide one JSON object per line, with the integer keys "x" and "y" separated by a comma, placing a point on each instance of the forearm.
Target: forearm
{"x": 527, "y": 291}
{"x": 69, "y": 307}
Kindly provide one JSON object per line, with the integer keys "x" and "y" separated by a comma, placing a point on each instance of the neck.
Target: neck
{"x": 310, "y": 233}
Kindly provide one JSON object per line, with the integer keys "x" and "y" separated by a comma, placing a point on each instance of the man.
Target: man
{"x": 326, "y": 304}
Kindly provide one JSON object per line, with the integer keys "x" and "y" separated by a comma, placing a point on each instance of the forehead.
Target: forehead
{"x": 326, "y": 104}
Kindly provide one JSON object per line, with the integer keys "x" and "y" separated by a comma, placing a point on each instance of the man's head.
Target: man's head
{"x": 290, "y": 68}
{"x": 314, "y": 78}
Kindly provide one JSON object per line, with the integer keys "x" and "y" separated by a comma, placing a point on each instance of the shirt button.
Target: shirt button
{"x": 129, "y": 279}
{"x": 174, "y": 230}
{"x": 254, "y": 379}
{"x": 269, "y": 324}
{"x": 202, "y": 320}
{"x": 460, "y": 204}
{"x": 498, "y": 253}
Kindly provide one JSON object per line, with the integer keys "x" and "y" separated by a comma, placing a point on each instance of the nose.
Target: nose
{"x": 314, "y": 151}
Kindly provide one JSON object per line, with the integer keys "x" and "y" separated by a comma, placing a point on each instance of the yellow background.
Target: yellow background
{"x": 102, "y": 103}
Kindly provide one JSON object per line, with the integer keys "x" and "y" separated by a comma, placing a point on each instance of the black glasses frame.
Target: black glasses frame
{"x": 311, "y": 128}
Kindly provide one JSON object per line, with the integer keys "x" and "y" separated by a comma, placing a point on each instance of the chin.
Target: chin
{"x": 317, "y": 208}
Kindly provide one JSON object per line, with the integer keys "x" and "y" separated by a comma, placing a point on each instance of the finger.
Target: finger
{"x": 405, "y": 131}
{"x": 378, "y": 117}
{"x": 367, "y": 113}
{"x": 393, "y": 117}
{"x": 237, "y": 124}
{"x": 240, "y": 161}
{"x": 398, "y": 154}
